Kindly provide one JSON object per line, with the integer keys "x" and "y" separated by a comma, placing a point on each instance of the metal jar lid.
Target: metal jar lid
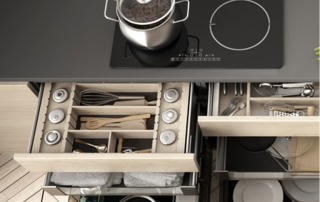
{"x": 56, "y": 116}
{"x": 167, "y": 137}
{"x": 60, "y": 95}
{"x": 52, "y": 137}
{"x": 169, "y": 116}
{"x": 171, "y": 95}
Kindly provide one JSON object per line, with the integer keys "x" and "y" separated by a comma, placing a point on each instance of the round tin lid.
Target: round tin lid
{"x": 167, "y": 137}
{"x": 56, "y": 116}
{"x": 169, "y": 116}
{"x": 52, "y": 137}
{"x": 60, "y": 95}
{"x": 171, "y": 95}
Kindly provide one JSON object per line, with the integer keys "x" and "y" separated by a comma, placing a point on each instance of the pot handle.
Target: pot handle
{"x": 105, "y": 13}
{"x": 188, "y": 8}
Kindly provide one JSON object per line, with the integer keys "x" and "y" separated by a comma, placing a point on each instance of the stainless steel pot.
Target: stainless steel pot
{"x": 154, "y": 38}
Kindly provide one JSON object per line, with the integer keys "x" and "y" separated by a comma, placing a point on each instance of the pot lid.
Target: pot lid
{"x": 144, "y": 11}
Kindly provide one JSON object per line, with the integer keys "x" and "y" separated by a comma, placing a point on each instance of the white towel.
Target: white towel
{"x": 80, "y": 179}
{"x": 153, "y": 179}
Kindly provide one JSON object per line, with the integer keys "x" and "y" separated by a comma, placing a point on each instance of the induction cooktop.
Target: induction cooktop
{"x": 235, "y": 34}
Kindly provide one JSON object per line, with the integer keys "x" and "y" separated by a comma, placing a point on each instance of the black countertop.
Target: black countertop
{"x": 70, "y": 40}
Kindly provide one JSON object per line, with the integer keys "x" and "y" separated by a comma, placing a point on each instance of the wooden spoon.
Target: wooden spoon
{"x": 98, "y": 123}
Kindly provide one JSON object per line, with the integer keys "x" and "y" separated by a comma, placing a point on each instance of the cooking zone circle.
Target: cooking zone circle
{"x": 239, "y": 25}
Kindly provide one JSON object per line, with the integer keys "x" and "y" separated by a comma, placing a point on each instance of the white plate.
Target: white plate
{"x": 302, "y": 190}
{"x": 258, "y": 191}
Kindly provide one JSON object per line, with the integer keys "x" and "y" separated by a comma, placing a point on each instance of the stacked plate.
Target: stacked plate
{"x": 302, "y": 190}
{"x": 258, "y": 191}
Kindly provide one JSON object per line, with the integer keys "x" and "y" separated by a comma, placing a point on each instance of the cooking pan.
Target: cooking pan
{"x": 261, "y": 144}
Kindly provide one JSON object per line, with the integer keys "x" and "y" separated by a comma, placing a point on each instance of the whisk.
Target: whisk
{"x": 98, "y": 98}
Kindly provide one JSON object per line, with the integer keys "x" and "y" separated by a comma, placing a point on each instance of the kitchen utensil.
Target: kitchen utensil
{"x": 264, "y": 91}
{"x": 127, "y": 125}
{"x": 149, "y": 31}
{"x": 285, "y": 85}
{"x": 307, "y": 91}
{"x": 302, "y": 190}
{"x": 225, "y": 86}
{"x": 169, "y": 116}
{"x": 235, "y": 89}
{"x": 262, "y": 144}
{"x": 56, "y": 116}
{"x": 241, "y": 107}
{"x": 77, "y": 151}
{"x": 136, "y": 151}
{"x": 258, "y": 191}
{"x": 52, "y": 137}
{"x": 119, "y": 146}
{"x": 60, "y": 95}
{"x": 97, "y": 97}
{"x": 135, "y": 103}
{"x": 132, "y": 198}
{"x": 101, "y": 148}
{"x": 234, "y": 101}
{"x": 171, "y": 95}
{"x": 167, "y": 137}
{"x": 241, "y": 89}
{"x": 98, "y": 123}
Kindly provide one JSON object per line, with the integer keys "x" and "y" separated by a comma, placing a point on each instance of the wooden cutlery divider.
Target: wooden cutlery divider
{"x": 72, "y": 128}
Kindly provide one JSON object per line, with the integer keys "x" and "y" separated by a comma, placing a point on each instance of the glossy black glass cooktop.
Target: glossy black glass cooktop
{"x": 235, "y": 34}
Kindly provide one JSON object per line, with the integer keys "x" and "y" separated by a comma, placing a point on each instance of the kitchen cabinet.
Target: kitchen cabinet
{"x": 180, "y": 156}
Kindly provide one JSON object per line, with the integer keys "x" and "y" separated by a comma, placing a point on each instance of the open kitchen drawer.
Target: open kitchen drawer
{"x": 180, "y": 156}
{"x": 235, "y": 163}
{"x": 254, "y": 119}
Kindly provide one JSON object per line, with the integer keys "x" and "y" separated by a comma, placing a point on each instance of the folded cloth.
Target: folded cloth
{"x": 117, "y": 178}
{"x": 153, "y": 179}
{"x": 80, "y": 179}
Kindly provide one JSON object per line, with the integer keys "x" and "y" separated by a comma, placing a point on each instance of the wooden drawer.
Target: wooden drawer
{"x": 233, "y": 163}
{"x": 254, "y": 119}
{"x": 176, "y": 157}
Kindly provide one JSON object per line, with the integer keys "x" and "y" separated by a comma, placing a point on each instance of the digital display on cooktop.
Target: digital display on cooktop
{"x": 235, "y": 34}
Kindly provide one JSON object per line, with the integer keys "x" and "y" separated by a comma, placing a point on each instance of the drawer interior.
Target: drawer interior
{"x": 259, "y": 117}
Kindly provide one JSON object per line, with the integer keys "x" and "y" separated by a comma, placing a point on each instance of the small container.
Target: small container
{"x": 52, "y": 137}
{"x": 60, "y": 95}
{"x": 171, "y": 95}
{"x": 169, "y": 116}
{"x": 56, "y": 116}
{"x": 167, "y": 137}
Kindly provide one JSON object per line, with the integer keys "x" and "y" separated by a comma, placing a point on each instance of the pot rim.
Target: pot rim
{"x": 171, "y": 10}
{"x": 142, "y": 30}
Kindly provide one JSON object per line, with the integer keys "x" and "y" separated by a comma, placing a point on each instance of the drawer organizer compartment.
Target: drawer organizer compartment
{"x": 293, "y": 116}
{"x": 148, "y": 133}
